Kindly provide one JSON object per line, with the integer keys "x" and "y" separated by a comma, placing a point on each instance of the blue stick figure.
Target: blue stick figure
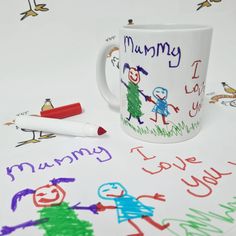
{"x": 128, "y": 207}
{"x": 161, "y": 105}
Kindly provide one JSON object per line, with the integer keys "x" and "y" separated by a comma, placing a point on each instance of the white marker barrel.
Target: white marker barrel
{"x": 58, "y": 126}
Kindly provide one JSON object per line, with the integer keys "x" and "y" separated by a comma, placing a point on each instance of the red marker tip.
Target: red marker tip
{"x": 101, "y": 131}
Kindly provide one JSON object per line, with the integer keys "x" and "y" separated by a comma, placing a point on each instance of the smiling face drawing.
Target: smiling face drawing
{"x": 134, "y": 75}
{"x": 48, "y": 195}
{"x": 111, "y": 191}
{"x": 160, "y": 93}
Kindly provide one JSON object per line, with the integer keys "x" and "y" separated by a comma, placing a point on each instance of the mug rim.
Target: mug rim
{"x": 166, "y": 27}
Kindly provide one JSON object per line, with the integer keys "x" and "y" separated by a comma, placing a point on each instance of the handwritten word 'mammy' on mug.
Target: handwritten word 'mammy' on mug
{"x": 162, "y": 80}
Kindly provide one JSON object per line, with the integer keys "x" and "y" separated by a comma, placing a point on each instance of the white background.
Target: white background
{"x": 53, "y": 55}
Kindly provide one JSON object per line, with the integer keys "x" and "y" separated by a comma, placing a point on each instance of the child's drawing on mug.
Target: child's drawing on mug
{"x": 134, "y": 102}
{"x": 161, "y": 105}
{"x": 164, "y": 127}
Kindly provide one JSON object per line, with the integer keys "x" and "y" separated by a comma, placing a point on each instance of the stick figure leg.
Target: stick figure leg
{"x": 154, "y": 119}
{"x": 40, "y": 7}
{"x": 164, "y": 120}
{"x": 129, "y": 117}
{"x": 139, "y": 233}
{"x": 30, "y": 12}
{"x": 154, "y": 223}
{"x": 139, "y": 121}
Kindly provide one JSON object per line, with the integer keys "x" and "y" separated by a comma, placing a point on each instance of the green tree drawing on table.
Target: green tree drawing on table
{"x": 63, "y": 221}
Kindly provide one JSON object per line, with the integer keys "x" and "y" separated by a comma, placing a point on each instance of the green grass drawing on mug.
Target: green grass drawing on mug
{"x": 176, "y": 129}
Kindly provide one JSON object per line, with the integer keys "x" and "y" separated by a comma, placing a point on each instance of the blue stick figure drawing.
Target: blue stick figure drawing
{"x": 161, "y": 105}
{"x": 128, "y": 207}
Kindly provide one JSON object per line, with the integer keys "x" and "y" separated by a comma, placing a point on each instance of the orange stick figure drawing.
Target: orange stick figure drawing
{"x": 34, "y": 7}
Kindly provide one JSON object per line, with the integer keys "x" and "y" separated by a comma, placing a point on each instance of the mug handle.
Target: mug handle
{"x": 107, "y": 94}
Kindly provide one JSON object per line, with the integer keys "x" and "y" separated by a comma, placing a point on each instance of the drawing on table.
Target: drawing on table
{"x": 199, "y": 186}
{"x": 161, "y": 105}
{"x": 133, "y": 100}
{"x": 56, "y": 216}
{"x": 230, "y": 94}
{"x": 129, "y": 208}
{"x": 41, "y": 136}
{"x": 207, "y": 3}
{"x": 205, "y": 223}
{"x": 33, "y": 8}
{"x": 99, "y": 153}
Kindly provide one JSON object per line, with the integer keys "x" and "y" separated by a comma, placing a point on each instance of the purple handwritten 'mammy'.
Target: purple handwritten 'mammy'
{"x": 155, "y": 50}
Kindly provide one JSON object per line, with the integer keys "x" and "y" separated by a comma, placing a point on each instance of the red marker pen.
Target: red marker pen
{"x": 63, "y": 111}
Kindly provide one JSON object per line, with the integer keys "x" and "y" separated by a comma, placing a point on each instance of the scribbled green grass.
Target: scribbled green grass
{"x": 168, "y": 131}
{"x": 203, "y": 223}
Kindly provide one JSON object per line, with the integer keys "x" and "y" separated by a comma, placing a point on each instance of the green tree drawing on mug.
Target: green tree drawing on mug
{"x": 134, "y": 102}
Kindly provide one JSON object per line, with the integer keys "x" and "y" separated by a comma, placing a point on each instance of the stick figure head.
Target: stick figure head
{"x": 47, "y": 195}
{"x": 160, "y": 93}
{"x": 111, "y": 191}
{"x": 134, "y": 73}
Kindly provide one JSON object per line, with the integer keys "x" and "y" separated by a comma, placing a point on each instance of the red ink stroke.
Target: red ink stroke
{"x": 196, "y": 107}
{"x": 156, "y": 196}
{"x": 141, "y": 153}
{"x": 232, "y": 163}
{"x": 48, "y": 195}
{"x": 206, "y": 181}
{"x": 116, "y": 195}
{"x": 180, "y": 165}
{"x": 195, "y": 69}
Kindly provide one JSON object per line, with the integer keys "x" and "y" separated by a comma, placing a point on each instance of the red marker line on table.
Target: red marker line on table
{"x": 63, "y": 111}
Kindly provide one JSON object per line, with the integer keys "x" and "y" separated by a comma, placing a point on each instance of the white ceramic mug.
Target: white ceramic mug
{"x": 162, "y": 80}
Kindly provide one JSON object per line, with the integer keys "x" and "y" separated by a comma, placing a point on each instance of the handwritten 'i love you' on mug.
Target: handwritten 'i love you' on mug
{"x": 162, "y": 80}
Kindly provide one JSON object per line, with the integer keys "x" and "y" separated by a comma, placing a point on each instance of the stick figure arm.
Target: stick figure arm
{"x": 92, "y": 208}
{"x": 156, "y": 196}
{"x": 5, "y": 230}
{"x": 101, "y": 207}
{"x": 123, "y": 82}
{"x": 176, "y": 109}
{"x": 146, "y": 97}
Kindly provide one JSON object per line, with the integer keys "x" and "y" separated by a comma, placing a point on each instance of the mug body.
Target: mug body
{"x": 162, "y": 80}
